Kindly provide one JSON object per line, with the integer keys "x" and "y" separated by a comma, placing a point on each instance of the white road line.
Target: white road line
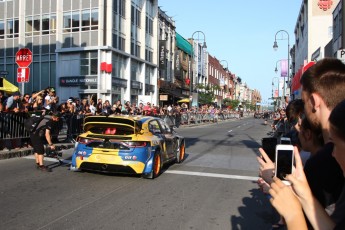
{"x": 190, "y": 173}
{"x": 237, "y": 177}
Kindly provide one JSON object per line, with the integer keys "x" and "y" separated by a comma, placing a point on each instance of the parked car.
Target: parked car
{"x": 127, "y": 144}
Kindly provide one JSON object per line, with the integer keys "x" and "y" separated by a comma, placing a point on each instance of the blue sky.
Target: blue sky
{"x": 241, "y": 32}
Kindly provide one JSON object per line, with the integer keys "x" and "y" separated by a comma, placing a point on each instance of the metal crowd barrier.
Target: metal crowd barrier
{"x": 14, "y": 135}
{"x": 187, "y": 118}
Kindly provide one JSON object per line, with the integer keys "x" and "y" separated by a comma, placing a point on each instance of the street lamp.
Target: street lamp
{"x": 276, "y": 69}
{"x": 204, "y": 46}
{"x": 275, "y": 47}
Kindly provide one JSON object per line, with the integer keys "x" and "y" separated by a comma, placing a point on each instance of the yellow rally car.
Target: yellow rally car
{"x": 127, "y": 144}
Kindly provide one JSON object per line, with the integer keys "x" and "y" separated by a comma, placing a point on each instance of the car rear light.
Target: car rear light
{"x": 133, "y": 144}
{"x": 82, "y": 140}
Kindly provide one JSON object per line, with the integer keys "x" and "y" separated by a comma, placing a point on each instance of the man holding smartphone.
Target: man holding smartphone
{"x": 322, "y": 89}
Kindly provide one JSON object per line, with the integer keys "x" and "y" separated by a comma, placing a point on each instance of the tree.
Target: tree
{"x": 233, "y": 104}
{"x": 206, "y": 93}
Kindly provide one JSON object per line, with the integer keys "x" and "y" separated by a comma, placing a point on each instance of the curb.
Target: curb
{"x": 22, "y": 152}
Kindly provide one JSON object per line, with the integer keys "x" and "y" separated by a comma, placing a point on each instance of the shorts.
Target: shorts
{"x": 37, "y": 143}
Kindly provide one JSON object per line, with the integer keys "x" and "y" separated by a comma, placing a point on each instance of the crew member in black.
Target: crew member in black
{"x": 42, "y": 136}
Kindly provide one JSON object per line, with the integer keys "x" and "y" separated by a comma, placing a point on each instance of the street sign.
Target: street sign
{"x": 23, "y": 74}
{"x": 2, "y": 73}
{"x": 341, "y": 55}
{"x": 24, "y": 57}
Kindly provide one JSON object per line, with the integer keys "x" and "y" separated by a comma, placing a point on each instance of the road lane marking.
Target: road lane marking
{"x": 190, "y": 173}
{"x": 218, "y": 175}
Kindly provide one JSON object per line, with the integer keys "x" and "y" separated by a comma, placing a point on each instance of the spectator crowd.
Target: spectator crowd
{"x": 315, "y": 198}
{"x": 48, "y": 100}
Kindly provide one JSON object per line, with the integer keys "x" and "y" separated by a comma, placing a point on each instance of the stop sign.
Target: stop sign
{"x": 24, "y": 57}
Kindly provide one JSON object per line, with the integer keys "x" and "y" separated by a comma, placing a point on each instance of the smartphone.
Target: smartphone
{"x": 269, "y": 146}
{"x": 284, "y": 161}
{"x": 285, "y": 141}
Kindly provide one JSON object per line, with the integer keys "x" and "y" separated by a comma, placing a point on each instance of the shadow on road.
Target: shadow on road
{"x": 256, "y": 213}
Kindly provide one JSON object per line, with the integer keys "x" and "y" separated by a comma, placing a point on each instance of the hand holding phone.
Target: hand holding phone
{"x": 284, "y": 162}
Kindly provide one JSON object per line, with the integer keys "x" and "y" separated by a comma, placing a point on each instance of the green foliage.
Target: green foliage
{"x": 206, "y": 98}
{"x": 206, "y": 93}
{"x": 233, "y": 104}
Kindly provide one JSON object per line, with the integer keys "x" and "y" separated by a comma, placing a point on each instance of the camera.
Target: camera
{"x": 54, "y": 153}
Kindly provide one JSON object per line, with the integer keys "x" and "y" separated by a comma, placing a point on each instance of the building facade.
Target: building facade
{"x": 313, "y": 31}
{"x": 318, "y": 34}
{"x": 338, "y": 28}
{"x": 84, "y": 48}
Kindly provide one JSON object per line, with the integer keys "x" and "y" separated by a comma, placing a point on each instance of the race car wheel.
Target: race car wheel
{"x": 157, "y": 165}
{"x": 182, "y": 151}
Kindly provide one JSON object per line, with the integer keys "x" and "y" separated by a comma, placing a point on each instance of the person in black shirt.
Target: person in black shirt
{"x": 322, "y": 90}
{"x": 40, "y": 137}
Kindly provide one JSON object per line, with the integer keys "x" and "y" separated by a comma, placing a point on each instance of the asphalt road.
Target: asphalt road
{"x": 214, "y": 188}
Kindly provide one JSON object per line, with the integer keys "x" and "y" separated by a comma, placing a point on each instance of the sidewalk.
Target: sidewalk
{"x": 26, "y": 151}
{"x": 21, "y": 152}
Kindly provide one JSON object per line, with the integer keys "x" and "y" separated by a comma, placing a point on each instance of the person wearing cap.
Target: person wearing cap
{"x": 41, "y": 136}
{"x": 13, "y": 102}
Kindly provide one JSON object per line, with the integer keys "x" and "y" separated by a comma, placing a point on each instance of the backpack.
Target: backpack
{"x": 31, "y": 123}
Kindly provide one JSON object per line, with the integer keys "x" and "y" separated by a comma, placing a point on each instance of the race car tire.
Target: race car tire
{"x": 182, "y": 152}
{"x": 156, "y": 167}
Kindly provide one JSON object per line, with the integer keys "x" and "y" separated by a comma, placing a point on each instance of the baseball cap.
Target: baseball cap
{"x": 52, "y": 89}
{"x": 16, "y": 93}
{"x": 70, "y": 100}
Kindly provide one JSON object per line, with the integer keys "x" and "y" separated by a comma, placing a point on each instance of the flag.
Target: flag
{"x": 283, "y": 68}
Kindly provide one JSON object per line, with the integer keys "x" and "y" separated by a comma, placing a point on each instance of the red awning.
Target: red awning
{"x": 296, "y": 85}
{"x": 295, "y": 80}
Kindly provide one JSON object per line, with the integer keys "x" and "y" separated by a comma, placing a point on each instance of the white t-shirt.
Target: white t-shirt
{"x": 93, "y": 109}
{"x": 47, "y": 98}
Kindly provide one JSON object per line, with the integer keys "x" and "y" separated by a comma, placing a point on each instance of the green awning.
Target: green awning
{"x": 183, "y": 44}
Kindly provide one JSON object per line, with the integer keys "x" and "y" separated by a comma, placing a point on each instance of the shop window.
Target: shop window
{"x": 2, "y": 29}
{"x": 12, "y": 29}
{"x": 88, "y": 63}
{"x": 48, "y": 24}
{"x": 94, "y": 19}
{"x": 75, "y": 21}
{"x": 67, "y": 18}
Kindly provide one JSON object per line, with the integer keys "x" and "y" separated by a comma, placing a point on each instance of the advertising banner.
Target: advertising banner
{"x": 177, "y": 64}
{"x": 162, "y": 54}
{"x": 283, "y": 68}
